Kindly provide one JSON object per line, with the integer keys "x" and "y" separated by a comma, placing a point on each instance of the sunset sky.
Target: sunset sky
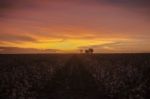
{"x": 107, "y": 26}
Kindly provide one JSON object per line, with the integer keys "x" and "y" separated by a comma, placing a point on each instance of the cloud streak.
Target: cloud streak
{"x": 17, "y": 50}
{"x": 120, "y": 47}
{"x": 16, "y": 38}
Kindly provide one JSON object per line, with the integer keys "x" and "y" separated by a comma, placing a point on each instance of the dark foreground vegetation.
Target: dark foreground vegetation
{"x": 66, "y": 76}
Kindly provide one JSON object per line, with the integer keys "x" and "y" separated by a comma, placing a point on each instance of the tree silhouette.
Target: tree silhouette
{"x": 81, "y": 51}
{"x": 89, "y": 51}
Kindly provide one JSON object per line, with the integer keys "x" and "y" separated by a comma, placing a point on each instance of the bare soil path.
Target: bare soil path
{"x": 73, "y": 82}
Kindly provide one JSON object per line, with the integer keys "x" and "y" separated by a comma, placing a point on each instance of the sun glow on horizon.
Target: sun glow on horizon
{"x": 68, "y": 26}
{"x": 69, "y": 44}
